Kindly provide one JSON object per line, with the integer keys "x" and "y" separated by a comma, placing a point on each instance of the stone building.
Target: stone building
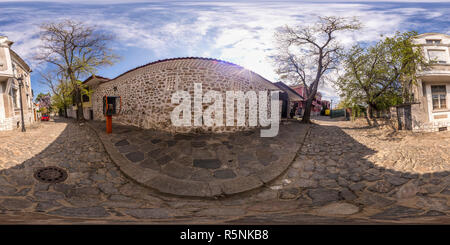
{"x": 291, "y": 100}
{"x": 431, "y": 110}
{"x": 12, "y": 67}
{"x": 146, "y": 91}
{"x": 316, "y": 103}
{"x": 91, "y": 83}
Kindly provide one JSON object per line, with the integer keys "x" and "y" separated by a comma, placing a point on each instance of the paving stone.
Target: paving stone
{"x": 84, "y": 191}
{"x": 23, "y": 192}
{"x": 155, "y": 141}
{"x": 433, "y": 213}
{"x": 151, "y": 164}
{"x": 395, "y": 180}
{"x": 148, "y": 213}
{"x": 273, "y": 206}
{"x": 47, "y": 205}
{"x": 48, "y": 195}
{"x": 357, "y": 186}
{"x": 374, "y": 200}
{"x": 266, "y": 157}
{"x": 429, "y": 189}
{"x": 207, "y": 163}
{"x": 371, "y": 177}
{"x": 118, "y": 197}
{"x": 446, "y": 191}
{"x": 240, "y": 184}
{"x": 202, "y": 175}
{"x": 221, "y": 212}
{"x": 433, "y": 203}
{"x": 179, "y": 187}
{"x": 62, "y": 187}
{"x": 323, "y": 196}
{"x": 198, "y": 144}
{"x": 15, "y": 204}
{"x": 127, "y": 148}
{"x": 121, "y": 204}
{"x": 164, "y": 160}
{"x": 202, "y": 153}
{"x": 329, "y": 183}
{"x": 177, "y": 171}
{"x": 245, "y": 157}
{"x": 306, "y": 183}
{"x": 289, "y": 193}
{"x": 156, "y": 153}
{"x": 122, "y": 143}
{"x": 135, "y": 156}
{"x": 338, "y": 209}
{"x": 224, "y": 174}
{"x": 346, "y": 194}
{"x": 4, "y": 181}
{"x": 91, "y": 212}
{"x": 381, "y": 187}
{"x": 108, "y": 188}
{"x": 19, "y": 180}
{"x": 397, "y": 212}
{"x": 407, "y": 191}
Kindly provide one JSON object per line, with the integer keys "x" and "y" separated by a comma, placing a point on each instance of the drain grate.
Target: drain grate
{"x": 50, "y": 174}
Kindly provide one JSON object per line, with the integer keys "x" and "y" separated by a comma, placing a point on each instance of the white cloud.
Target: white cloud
{"x": 240, "y": 32}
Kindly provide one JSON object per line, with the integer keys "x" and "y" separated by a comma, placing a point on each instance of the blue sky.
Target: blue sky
{"x": 237, "y": 31}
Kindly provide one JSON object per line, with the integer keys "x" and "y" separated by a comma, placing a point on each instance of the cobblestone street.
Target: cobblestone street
{"x": 340, "y": 175}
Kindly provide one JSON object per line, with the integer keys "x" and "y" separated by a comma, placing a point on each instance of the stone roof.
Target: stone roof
{"x": 95, "y": 76}
{"x": 179, "y": 58}
{"x": 189, "y": 58}
{"x": 293, "y": 95}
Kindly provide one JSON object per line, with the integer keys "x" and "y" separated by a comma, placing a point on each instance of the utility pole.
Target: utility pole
{"x": 20, "y": 81}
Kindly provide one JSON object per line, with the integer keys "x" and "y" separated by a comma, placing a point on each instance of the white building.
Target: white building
{"x": 432, "y": 92}
{"x": 11, "y": 67}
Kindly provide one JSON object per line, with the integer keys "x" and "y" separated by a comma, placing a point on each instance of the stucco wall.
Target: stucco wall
{"x": 146, "y": 92}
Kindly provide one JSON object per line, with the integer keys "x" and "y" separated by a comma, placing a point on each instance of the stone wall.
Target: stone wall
{"x": 146, "y": 91}
{"x": 12, "y": 123}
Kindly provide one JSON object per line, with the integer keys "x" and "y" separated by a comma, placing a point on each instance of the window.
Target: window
{"x": 433, "y": 41}
{"x": 439, "y": 95}
{"x": 437, "y": 56}
{"x": 85, "y": 98}
{"x": 15, "y": 98}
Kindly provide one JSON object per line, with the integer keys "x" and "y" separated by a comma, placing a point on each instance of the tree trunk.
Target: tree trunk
{"x": 370, "y": 116}
{"x": 79, "y": 103}
{"x": 370, "y": 111}
{"x": 307, "y": 113}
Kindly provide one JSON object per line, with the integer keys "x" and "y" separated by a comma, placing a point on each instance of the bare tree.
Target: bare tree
{"x": 60, "y": 87}
{"x": 306, "y": 54}
{"x": 75, "y": 50}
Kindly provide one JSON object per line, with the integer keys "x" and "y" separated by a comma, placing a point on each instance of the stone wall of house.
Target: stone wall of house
{"x": 146, "y": 91}
{"x": 12, "y": 123}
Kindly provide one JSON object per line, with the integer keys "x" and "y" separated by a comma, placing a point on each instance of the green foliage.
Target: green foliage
{"x": 75, "y": 50}
{"x": 380, "y": 75}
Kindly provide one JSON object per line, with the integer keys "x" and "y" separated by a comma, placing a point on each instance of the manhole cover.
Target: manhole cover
{"x": 50, "y": 174}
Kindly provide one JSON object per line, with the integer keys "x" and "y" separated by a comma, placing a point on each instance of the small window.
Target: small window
{"x": 433, "y": 41}
{"x": 15, "y": 98}
{"x": 85, "y": 98}
{"x": 439, "y": 97}
{"x": 437, "y": 56}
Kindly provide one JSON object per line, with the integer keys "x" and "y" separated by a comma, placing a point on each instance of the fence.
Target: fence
{"x": 337, "y": 113}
